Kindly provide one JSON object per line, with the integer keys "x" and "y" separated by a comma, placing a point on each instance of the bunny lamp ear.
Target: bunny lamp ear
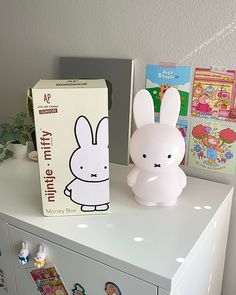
{"x": 83, "y": 132}
{"x": 170, "y": 107}
{"x": 143, "y": 108}
{"x": 101, "y": 137}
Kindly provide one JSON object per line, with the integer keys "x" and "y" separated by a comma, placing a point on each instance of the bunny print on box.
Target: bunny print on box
{"x": 156, "y": 150}
{"x": 89, "y": 164}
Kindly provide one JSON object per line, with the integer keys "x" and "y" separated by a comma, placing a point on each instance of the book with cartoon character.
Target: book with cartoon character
{"x": 212, "y": 146}
{"x": 71, "y": 118}
{"x": 214, "y": 94}
{"x": 160, "y": 78}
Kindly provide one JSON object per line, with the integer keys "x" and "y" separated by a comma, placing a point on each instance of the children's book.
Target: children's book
{"x": 159, "y": 79}
{"x": 212, "y": 146}
{"x": 214, "y": 94}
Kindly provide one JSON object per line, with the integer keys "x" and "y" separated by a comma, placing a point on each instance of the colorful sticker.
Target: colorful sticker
{"x": 159, "y": 78}
{"x": 182, "y": 125}
{"x": 214, "y": 95}
{"x": 78, "y": 290}
{"x": 112, "y": 289}
{"x": 212, "y": 147}
{"x": 48, "y": 281}
{"x": 3, "y": 284}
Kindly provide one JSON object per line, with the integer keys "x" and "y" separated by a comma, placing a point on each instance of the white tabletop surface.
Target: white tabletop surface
{"x": 146, "y": 242}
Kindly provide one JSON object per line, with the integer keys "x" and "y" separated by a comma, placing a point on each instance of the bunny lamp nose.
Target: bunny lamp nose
{"x": 157, "y": 165}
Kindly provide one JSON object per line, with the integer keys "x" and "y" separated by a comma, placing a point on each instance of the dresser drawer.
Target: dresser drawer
{"x": 73, "y": 268}
{"x": 7, "y": 283}
{"x": 204, "y": 271}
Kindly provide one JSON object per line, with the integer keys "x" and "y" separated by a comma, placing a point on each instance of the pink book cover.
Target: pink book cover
{"x": 214, "y": 94}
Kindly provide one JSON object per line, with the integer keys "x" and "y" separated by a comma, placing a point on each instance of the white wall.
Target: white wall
{"x": 33, "y": 34}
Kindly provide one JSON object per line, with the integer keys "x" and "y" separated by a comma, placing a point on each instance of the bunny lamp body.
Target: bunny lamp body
{"x": 157, "y": 150}
{"x": 90, "y": 166}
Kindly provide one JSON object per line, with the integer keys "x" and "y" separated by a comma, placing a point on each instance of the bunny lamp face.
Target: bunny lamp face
{"x": 162, "y": 152}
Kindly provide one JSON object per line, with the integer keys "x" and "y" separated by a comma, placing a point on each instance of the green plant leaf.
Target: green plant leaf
{"x": 8, "y": 154}
{"x": 2, "y": 140}
{"x": 6, "y": 136}
{"x": 18, "y": 130}
{"x": 5, "y": 125}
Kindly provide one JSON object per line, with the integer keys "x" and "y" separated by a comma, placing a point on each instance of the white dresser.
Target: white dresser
{"x": 176, "y": 250}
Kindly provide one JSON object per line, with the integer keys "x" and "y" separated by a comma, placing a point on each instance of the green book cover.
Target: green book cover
{"x": 159, "y": 78}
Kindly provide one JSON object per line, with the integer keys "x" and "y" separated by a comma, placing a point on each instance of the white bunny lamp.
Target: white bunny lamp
{"x": 156, "y": 150}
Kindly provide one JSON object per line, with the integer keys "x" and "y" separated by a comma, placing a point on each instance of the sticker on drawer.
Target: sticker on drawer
{"x": 47, "y": 280}
{"x": 78, "y": 290}
{"x": 3, "y": 284}
{"x": 112, "y": 289}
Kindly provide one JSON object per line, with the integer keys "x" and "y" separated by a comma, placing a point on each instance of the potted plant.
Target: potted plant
{"x": 14, "y": 137}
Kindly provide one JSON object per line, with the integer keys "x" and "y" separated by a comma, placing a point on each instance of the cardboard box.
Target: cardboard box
{"x": 71, "y": 119}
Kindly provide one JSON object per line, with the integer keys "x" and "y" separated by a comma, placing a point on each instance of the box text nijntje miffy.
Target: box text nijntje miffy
{"x": 49, "y": 178}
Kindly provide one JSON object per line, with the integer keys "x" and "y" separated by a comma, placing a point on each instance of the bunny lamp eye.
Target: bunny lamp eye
{"x": 81, "y": 167}
{"x": 105, "y": 167}
{"x": 169, "y": 156}
{"x": 144, "y": 156}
